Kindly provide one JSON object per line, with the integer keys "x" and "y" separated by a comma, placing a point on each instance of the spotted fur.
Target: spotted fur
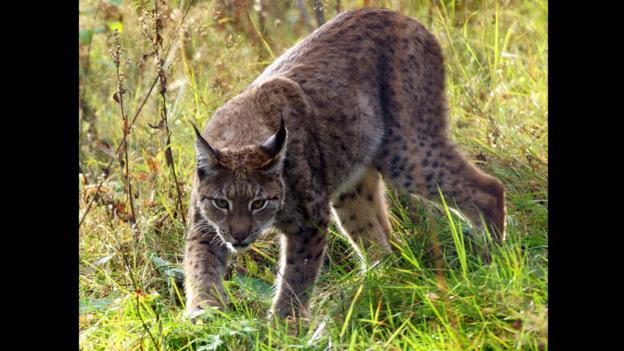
{"x": 362, "y": 99}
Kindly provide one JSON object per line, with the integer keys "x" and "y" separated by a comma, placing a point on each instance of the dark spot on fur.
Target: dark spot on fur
{"x": 201, "y": 173}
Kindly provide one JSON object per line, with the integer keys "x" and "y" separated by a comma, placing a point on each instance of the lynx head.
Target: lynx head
{"x": 240, "y": 191}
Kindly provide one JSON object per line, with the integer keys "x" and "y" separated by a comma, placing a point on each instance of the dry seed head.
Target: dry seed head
{"x": 115, "y": 51}
{"x": 146, "y": 21}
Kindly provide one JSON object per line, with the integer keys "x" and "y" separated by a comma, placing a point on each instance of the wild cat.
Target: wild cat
{"x": 358, "y": 101}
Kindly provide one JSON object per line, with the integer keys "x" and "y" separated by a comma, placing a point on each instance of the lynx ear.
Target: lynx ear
{"x": 206, "y": 157}
{"x": 275, "y": 147}
{"x": 274, "y": 144}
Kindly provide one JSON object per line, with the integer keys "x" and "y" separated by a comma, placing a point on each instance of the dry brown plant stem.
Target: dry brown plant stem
{"x": 117, "y": 151}
{"x": 134, "y": 119}
{"x": 319, "y": 12}
{"x": 162, "y": 77}
{"x": 125, "y": 161}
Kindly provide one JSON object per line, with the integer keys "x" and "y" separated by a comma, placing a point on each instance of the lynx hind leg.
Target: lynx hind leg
{"x": 362, "y": 214}
{"x": 480, "y": 196}
{"x": 463, "y": 185}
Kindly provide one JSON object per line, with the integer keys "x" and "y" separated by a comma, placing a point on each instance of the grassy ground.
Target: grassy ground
{"x": 496, "y": 60}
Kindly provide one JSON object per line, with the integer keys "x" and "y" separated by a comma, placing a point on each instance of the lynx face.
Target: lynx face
{"x": 240, "y": 191}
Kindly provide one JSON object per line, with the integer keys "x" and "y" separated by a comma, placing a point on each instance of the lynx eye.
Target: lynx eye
{"x": 220, "y": 203}
{"x": 258, "y": 204}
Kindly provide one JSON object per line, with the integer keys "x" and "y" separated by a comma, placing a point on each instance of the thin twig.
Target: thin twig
{"x": 116, "y": 54}
{"x": 319, "y": 12}
{"x": 158, "y": 48}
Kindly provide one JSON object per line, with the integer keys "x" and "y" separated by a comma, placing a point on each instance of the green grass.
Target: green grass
{"x": 496, "y": 61}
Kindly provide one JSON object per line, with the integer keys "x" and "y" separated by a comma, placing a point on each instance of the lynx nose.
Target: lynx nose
{"x": 239, "y": 233}
{"x": 239, "y": 237}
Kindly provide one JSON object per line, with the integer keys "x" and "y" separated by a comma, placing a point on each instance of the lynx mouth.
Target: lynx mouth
{"x": 242, "y": 245}
{"x": 239, "y": 247}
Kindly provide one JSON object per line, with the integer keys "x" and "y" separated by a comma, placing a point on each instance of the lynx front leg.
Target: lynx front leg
{"x": 302, "y": 256}
{"x": 205, "y": 262}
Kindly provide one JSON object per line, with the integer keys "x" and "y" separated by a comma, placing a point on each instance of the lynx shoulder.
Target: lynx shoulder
{"x": 358, "y": 102}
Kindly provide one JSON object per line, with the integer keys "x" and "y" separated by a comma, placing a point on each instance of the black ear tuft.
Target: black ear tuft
{"x": 206, "y": 157}
{"x": 274, "y": 144}
{"x": 204, "y": 143}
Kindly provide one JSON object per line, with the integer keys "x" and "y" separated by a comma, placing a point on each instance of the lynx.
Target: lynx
{"x": 358, "y": 103}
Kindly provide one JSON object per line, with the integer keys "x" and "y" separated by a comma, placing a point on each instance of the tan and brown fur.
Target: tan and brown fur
{"x": 361, "y": 99}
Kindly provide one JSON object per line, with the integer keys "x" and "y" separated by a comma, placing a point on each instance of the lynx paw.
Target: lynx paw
{"x": 194, "y": 313}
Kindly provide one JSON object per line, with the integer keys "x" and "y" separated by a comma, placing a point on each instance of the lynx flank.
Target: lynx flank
{"x": 359, "y": 100}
